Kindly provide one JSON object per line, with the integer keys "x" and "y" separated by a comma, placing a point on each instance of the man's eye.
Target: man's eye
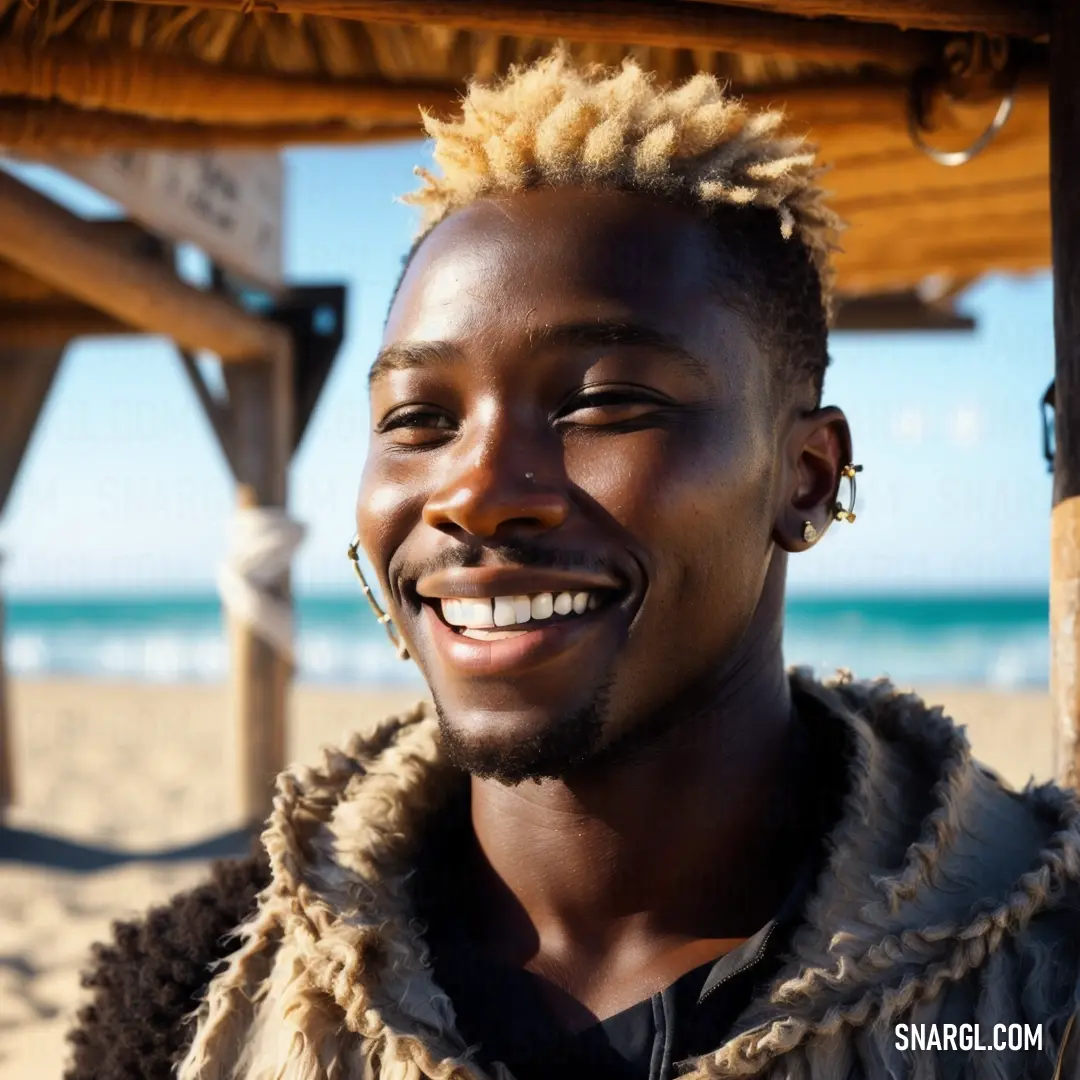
{"x": 416, "y": 426}
{"x": 610, "y": 407}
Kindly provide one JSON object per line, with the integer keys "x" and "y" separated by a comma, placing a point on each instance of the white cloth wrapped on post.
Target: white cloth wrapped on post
{"x": 262, "y": 541}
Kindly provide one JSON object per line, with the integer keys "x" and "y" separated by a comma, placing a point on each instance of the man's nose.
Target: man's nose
{"x": 498, "y": 487}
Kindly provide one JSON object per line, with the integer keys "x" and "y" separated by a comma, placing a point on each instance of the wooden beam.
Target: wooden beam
{"x": 837, "y": 114}
{"x": 160, "y": 86}
{"x": 1010, "y": 18}
{"x": 26, "y": 376}
{"x": 19, "y": 287}
{"x": 627, "y": 22}
{"x": 62, "y": 249}
{"x": 37, "y": 326}
{"x": 16, "y": 285}
{"x": 898, "y": 312}
{"x": 1065, "y": 519}
{"x": 35, "y": 127}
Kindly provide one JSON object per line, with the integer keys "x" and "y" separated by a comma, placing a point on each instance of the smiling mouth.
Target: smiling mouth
{"x": 500, "y": 617}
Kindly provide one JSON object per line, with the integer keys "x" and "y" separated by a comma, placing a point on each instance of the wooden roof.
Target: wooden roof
{"x": 91, "y": 75}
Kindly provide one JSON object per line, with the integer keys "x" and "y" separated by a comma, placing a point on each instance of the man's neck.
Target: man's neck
{"x": 670, "y": 845}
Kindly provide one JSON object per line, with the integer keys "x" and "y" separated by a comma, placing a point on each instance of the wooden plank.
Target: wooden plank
{"x": 1010, "y": 18}
{"x": 1065, "y": 520}
{"x": 848, "y": 119}
{"x": 864, "y": 273}
{"x": 896, "y": 312}
{"x": 228, "y": 203}
{"x": 162, "y": 86}
{"x": 19, "y": 287}
{"x": 36, "y": 128}
{"x": 957, "y": 207}
{"x": 627, "y": 22}
{"x": 62, "y": 249}
{"x": 36, "y": 326}
{"x": 1019, "y": 156}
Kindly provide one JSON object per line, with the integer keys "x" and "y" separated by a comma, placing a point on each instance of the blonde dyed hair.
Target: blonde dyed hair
{"x": 555, "y": 124}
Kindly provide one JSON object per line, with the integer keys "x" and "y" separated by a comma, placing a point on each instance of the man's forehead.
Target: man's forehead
{"x": 538, "y": 260}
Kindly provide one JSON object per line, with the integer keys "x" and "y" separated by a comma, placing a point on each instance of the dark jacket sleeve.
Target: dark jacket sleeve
{"x": 153, "y": 974}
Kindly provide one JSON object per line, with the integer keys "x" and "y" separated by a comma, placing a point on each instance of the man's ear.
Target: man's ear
{"x": 817, "y": 448}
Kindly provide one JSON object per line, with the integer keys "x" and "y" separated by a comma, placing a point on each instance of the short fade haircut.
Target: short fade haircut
{"x": 554, "y": 124}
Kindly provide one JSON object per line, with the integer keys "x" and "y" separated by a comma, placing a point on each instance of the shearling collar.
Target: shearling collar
{"x": 935, "y": 869}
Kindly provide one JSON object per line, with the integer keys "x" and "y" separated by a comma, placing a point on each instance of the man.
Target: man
{"x": 629, "y": 844}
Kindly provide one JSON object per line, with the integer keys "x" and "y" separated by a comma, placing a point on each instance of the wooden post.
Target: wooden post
{"x": 260, "y": 441}
{"x": 25, "y": 378}
{"x": 1065, "y": 521}
{"x": 7, "y": 748}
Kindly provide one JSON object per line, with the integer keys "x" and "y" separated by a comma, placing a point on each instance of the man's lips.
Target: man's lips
{"x": 503, "y": 650}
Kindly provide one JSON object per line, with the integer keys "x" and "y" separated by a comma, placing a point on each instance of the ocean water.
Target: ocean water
{"x": 980, "y": 640}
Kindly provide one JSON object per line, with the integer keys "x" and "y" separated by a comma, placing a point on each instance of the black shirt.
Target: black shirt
{"x": 502, "y": 1013}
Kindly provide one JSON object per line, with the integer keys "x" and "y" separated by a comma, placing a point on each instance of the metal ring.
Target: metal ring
{"x": 383, "y": 617}
{"x": 840, "y": 513}
{"x": 953, "y": 158}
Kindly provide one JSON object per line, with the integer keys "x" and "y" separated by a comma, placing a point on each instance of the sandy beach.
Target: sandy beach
{"x": 152, "y": 768}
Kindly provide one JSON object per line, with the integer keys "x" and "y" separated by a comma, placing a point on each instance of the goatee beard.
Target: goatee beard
{"x": 564, "y": 746}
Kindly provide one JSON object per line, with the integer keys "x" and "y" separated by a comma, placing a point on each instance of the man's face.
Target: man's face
{"x": 564, "y": 405}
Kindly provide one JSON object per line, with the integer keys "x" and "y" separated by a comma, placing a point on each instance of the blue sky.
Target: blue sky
{"x": 124, "y": 489}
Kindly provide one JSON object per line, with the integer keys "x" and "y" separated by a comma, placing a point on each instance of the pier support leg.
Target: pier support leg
{"x": 261, "y": 416}
{"x": 26, "y": 375}
{"x": 1065, "y": 522}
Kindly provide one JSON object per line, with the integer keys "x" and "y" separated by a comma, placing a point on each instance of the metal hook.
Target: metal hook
{"x": 952, "y": 158}
{"x": 1049, "y": 405}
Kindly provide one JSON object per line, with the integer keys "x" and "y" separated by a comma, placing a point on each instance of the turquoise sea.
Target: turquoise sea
{"x": 982, "y": 640}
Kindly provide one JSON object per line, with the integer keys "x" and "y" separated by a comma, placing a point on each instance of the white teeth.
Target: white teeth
{"x": 480, "y": 612}
{"x": 543, "y": 604}
{"x": 505, "y": 615}
{"x": 475, "y": 613}
{"x": 507, "y": 611}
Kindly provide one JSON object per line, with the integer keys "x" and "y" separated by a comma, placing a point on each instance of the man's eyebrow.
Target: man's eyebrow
{"x": 593, "y": 335}
{"x": 404, "y": 355}
{"x": 407, "y": 355}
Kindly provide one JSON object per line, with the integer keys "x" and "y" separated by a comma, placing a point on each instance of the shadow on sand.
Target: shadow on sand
{"x": 53, "y": 852}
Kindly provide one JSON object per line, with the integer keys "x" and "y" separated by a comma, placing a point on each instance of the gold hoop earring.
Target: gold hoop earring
{"x": 809, "y": 533}
{"x": 384, "y": 618}
{"x": 848, "y": 472}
